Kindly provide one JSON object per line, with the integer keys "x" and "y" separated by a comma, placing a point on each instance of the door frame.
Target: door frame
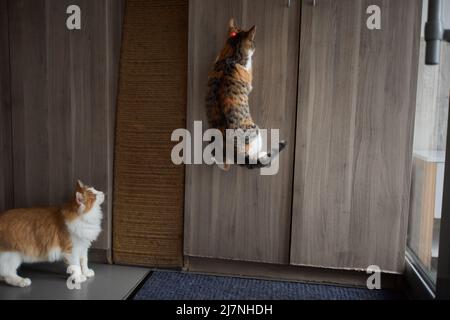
{"x": 417, "y": 281}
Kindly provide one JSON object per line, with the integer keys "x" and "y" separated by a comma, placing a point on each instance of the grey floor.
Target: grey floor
{"x": 111, "y": 282}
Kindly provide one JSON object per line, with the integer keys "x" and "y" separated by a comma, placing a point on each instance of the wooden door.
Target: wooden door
{"x": 241, "y": 214}
{"x": 355, "y": 121}
{"x": 63, "y": 90}
{"x": 6, "y": 183}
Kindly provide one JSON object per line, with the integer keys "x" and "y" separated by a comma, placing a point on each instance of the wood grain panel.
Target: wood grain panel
{"x": 64, "y": 93}
{"x": 6, "y": 182}
{"x": 241, "y": 214}
{"x": 149, "y": 189}
{"x": 354, "y": 134}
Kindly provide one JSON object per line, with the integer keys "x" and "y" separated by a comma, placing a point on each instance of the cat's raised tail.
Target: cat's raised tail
{"x": 267, "y": 159}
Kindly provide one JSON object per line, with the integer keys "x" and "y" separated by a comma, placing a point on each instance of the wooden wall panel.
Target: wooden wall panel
{"x": 64, "y": 94}
{"x": 6, "y": 182}
{"x": 240, "y": 214}
{"x": 356, "y": 108}
{"x": 149, "y": 189}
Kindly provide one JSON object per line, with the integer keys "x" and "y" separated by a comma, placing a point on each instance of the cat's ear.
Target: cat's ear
{"x": 231, "y": 24}
{"x": 79, "y": 198}
{"x": 80, "y": 184}
{"x": 251, "y": 33}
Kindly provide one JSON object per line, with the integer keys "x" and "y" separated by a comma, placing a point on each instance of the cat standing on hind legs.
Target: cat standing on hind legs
{"x": 227, "y": 100}
{"x": 50, "y": 235}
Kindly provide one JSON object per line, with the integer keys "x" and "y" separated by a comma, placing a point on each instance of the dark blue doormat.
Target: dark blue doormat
{"x": 187, "y": 286}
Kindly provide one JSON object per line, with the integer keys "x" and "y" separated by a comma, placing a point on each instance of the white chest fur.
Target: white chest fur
{"x": 87, "y": 227}
{"x": 249, "y": 64}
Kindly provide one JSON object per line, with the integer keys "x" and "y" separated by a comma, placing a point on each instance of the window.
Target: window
{"x": 430, "y": 135}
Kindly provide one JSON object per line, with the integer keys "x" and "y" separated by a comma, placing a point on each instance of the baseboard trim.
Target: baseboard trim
{"x": 288, "y": 273}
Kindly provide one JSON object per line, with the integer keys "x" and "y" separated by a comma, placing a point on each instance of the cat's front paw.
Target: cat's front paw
{"x": 77, "y": 278}
{"x": 89, "y": 273}
{"x": 76, "y": 274}
{"x": 73, "y": 269}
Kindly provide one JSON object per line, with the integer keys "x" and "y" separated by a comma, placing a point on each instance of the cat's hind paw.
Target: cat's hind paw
{"x": 222, "y": 166}
{"x": 18, "y": 282}
{"x": 25, "y": 282}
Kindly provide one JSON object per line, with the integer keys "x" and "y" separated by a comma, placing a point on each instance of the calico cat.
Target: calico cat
{"x": 51, "y": 234}
{"x": 227, "y": 101}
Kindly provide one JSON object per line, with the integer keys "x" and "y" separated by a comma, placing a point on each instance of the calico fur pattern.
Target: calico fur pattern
{"x": 227, "y": 99}
{"x": 230, "y": 84}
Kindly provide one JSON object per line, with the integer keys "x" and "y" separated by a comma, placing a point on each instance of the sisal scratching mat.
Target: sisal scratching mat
{"x": 148, "y": 188}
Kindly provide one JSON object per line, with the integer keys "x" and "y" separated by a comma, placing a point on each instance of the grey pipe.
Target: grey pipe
{"x": 435, "y": 33}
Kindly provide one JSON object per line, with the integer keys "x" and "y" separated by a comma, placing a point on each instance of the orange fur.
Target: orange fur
{"x": 242, "y": 74}
{"x": 35, "y": 232}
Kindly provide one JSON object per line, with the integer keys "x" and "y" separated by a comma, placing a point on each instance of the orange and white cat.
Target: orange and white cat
{"x": 50, "y": 235}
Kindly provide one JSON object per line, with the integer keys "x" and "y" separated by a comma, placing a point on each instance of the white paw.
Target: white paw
{"x": 73, "y": 269}
{"x": 18, "y": 282}
{"x": 77, "y": 278}
{"x": 24, "y": 282}
{"x": 76, "y": 274}
{"x": 89, "y": 273}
